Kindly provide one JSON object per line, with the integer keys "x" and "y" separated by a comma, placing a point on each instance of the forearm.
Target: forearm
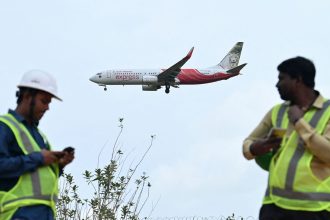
{"x": 14, "y": 167}
{"x": 319, "y": 145}
{"x": 246, "y": 149}
{"x": 258, "y": 133}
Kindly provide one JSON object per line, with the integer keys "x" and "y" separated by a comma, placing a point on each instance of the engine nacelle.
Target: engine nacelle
{"x": 150, "y": 87}
{"x": 149, "y": 80}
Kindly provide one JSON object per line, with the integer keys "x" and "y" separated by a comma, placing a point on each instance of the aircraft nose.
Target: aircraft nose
{"x": 94, "y": 78}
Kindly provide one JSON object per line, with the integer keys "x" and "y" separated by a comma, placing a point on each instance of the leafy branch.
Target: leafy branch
{"x": 113, "y": 197}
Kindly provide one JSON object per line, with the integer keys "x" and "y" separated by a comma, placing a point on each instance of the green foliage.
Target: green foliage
{"x": 115, "y": 195}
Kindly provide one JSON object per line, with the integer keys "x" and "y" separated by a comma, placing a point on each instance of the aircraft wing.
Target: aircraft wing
{"x": 169, "y": 74}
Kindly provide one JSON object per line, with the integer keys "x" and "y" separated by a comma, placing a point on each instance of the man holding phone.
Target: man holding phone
{"x": 29, "y": 169}
{"x": 299, "y": 162}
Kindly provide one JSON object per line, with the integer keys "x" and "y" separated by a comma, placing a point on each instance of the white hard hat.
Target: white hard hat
{"x": 38, "y": 79}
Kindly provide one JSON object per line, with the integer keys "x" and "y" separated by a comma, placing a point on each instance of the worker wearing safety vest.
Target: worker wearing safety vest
{"x": 298, "y": 161}
{"x": 29, "y": 169}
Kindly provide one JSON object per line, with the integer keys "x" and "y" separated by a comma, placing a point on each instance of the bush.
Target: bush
{"x": 116, "y": 195}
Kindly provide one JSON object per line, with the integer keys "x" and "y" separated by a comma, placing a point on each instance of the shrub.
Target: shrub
{"x": 116, "y": 195}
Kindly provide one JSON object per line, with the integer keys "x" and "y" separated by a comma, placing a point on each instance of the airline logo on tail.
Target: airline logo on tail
{"x": 154, "y": 79}
{"x": 232, "y": 58}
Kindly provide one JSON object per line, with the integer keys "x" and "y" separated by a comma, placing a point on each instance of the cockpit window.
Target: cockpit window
{"x": 99, "y": 74}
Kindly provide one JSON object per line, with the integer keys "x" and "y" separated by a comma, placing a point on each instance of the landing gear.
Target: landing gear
{"x": 167, "y": 88}
{"x": 105, "y": 87}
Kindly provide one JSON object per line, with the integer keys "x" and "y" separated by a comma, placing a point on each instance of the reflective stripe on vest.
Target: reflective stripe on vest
{"x": 280, "y": 115}
{"x": 288, "y": 191}
{"x": 41, "y": 197}
{"x": 35, "y": 181}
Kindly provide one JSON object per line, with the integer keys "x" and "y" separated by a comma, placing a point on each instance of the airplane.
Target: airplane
{"x": 154, "y": 79}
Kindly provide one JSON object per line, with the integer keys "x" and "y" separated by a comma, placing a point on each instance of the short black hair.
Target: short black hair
{"x": 299, "y": 67}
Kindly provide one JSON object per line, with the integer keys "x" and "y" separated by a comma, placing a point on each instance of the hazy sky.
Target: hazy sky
{"x": 195, "y": 165}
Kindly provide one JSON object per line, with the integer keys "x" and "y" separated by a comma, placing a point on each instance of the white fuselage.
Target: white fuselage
{"x": 143, "y": 76}
{"x": 125, "y": 76}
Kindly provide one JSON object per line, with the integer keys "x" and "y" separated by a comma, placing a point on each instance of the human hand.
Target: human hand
{"x": 50, "y": 157}
{"x": 66, "y": 158}
{"x": 263, "y": 146}
{"x": 295, "y": 113}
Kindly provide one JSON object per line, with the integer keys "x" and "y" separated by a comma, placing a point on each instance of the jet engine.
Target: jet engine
{"x": 150, "y": 87}
{"x": 148, "y": 80}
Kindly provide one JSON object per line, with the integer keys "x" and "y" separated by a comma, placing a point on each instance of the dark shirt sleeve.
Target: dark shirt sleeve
{"x": 13, "y": 163}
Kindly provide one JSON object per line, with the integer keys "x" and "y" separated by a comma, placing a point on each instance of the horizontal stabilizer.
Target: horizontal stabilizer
{"x": 236, "y": 70}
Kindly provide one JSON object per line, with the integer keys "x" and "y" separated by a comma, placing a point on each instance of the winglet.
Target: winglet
{"x": 190, "y": 53}
{"x": 236, "y": 70}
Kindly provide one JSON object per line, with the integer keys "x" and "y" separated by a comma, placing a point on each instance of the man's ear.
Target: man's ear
{"x": 299, "y": 80}
{"x": 26, "y": 96}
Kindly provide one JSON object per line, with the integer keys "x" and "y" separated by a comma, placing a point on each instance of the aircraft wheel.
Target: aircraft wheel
{"x": 167, "y": 88}
{"x": 105, "y": 88}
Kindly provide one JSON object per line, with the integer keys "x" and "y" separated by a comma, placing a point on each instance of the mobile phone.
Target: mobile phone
{"x": 276, "y": 132}
{"x": 69, "y": 149}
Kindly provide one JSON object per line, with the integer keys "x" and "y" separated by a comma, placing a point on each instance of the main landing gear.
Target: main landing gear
{"x": 167, "y": 88}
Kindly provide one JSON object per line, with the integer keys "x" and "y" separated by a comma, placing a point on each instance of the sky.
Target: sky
{"x": 195, "y": 165}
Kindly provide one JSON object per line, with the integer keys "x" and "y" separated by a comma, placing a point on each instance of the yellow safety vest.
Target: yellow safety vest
{"x": 291, "y": 183}
{"x": 279, "y": 119}
{"x": 37, "y": 188}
